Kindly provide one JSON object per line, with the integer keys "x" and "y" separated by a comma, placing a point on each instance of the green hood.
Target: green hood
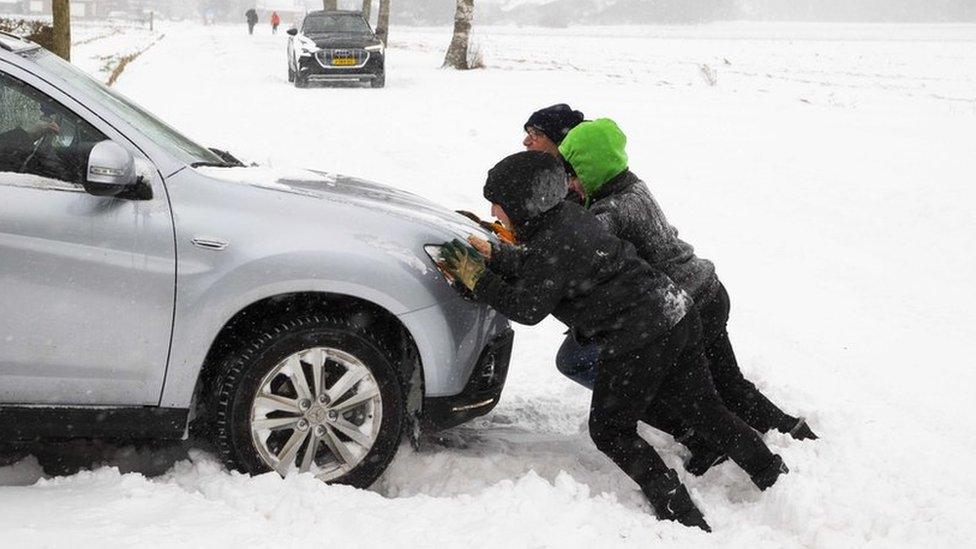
{"x": 596, "y": 151}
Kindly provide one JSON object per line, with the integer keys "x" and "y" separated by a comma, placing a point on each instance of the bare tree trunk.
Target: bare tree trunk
{"x": 457, "y": 53}
{"x": 61, "y": 42}
{"x": 367, "y": 8}
{"x": 330, "y": 5}
{"x": 383, "y": 21}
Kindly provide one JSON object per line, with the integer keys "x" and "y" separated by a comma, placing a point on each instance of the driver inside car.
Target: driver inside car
{"x": 33, "y": 140}
{"x": 17, "y": 144}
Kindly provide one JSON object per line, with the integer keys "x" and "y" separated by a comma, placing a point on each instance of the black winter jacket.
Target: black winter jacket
{"x": 15, "y": 148}
{"x": 626, "y": 207}
{"x": 570, "y": 266}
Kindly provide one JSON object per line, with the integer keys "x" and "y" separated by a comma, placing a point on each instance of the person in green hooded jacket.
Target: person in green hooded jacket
{"x": 596, "y": 151}
{"x": 567, "y": 264}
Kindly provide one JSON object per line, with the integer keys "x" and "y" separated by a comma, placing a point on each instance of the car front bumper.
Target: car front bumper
{"x": 480, "y": 394}
{"x": 312, "y": 68}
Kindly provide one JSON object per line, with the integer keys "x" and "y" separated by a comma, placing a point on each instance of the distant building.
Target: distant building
{"x": 100, "y": 9}
{"x": 81, "y": 9}
{"x": 11, "y": 7}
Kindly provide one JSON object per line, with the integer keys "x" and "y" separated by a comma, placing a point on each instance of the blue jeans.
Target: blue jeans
{"x": 578, "y": 362}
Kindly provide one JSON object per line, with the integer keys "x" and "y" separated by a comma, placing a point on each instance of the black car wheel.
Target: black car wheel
{"x": 291, "y": 75}
{"x": 309, "y": 394}
{"x": 379, "y": 81}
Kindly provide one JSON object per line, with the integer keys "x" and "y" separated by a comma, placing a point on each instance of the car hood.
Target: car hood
{"x": 333, "y": 41}
{"x": 349, "y": 191}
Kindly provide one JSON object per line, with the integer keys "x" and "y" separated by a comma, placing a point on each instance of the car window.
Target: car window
{"x": 322, "y": 24}
{"x": 39, "y": 136}
{"x": 177, "y": 144}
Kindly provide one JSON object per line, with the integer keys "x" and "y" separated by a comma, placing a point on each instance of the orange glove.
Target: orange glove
{"x": 501, "y": 231}
{"x": 504, "y": 233}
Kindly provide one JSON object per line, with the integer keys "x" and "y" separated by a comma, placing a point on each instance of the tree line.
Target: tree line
{"x": 58, "y": 38}
{"x": 458, "y": 55}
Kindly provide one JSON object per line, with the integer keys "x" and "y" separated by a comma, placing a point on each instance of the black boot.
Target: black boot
{"x": 703, "y": 456}
{"x": 796, "y": 427}
{"x": 671, "y": 501}
{"x": 768, "y": 476}
{"x": 802, "y": 431}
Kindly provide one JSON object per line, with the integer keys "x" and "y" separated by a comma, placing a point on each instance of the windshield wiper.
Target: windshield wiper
{"x": 227, "y": 157}
{"x": 228, "y": 160}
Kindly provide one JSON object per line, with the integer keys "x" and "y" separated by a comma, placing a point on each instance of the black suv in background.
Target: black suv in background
{"x": 335, "y": 46}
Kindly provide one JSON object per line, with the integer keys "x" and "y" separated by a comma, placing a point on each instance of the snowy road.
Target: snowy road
{"x": 828, "y": 173}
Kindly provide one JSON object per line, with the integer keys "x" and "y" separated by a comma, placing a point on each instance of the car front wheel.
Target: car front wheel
{"x": 310, "y": 394}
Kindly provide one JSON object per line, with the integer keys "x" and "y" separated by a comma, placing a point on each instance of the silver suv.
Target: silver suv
{"x": 151, "y": 288}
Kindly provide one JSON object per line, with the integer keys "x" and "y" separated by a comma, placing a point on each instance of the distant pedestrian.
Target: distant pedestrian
{"x": 252, "y": 19}
{"x": 275, "y": 21}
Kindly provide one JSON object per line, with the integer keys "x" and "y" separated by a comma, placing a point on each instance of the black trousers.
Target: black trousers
{"x": 740, "y": 395}
{"x": 670, "y": 374}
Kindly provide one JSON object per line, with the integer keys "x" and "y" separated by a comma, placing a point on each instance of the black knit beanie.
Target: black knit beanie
{"x": 555, "y": 121}
{"x": 526, "y": 184}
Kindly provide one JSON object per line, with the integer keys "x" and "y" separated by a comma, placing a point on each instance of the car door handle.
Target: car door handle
{"x": 209, "y": 243}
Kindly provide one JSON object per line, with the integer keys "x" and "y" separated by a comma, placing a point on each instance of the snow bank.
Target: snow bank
{"x": 828, "y": 174}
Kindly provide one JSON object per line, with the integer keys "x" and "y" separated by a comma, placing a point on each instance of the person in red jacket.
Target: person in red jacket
{"x": 275, "y": 21}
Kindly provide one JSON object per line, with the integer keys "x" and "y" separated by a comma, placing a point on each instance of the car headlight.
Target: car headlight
{"x": 307, "y": 46}
{"x": 377, "y": 47}
{"x": 434, "y": 253}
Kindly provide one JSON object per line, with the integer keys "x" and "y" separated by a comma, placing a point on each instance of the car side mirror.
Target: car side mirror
{"x": 111, "y": 171}
{"x": 292, "y": 31}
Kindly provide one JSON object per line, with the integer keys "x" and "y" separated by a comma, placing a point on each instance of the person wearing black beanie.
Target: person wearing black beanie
{"x": 647, "y": 329}
{"x": 547, "y": 128}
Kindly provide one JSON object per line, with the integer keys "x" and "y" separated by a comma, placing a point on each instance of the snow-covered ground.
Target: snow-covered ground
{"x": 99, "y": 46}
{"x": 828, "y": 172}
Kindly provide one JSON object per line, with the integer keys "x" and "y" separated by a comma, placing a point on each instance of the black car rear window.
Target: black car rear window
{"x": 346, "y": 24}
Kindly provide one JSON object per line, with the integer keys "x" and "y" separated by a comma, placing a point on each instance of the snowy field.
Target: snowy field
{"x": 98, "y": 46}
{"x": 828, "y": 172}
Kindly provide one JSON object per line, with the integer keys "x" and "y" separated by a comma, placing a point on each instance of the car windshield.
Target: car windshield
{"x": 336, "y": 24}
{"x": 173, "y": 141}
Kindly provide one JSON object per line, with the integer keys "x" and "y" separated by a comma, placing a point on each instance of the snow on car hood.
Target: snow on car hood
{"x": 348, "y": 190}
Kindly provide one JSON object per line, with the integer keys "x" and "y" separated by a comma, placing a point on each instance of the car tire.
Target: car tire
{"x": 379, "y": 81}
{"x": 300, "y": 81}
{"x": 260, "y": 375}
{"x": 291, "y": 74}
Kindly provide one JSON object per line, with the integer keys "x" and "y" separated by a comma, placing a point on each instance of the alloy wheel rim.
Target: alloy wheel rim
{"x": 317, "y": 411}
